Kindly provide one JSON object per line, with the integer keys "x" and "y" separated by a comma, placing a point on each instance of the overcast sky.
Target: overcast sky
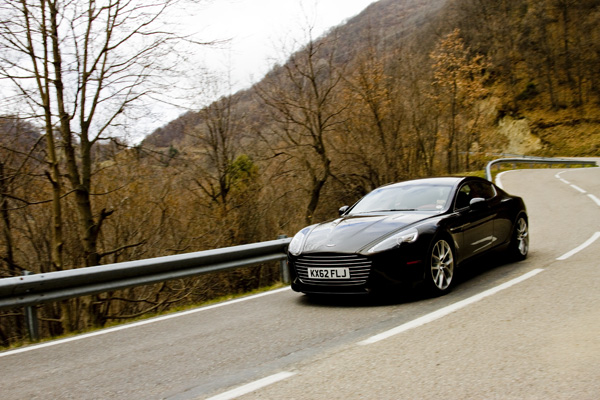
{"x": 257, "y": 32}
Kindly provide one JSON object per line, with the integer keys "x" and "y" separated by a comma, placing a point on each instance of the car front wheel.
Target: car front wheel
{"x": 519, "y": 245}
{"x": 441, "y": 267}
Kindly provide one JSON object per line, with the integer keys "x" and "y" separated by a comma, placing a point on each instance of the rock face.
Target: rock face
{"x": 519, "y": 136}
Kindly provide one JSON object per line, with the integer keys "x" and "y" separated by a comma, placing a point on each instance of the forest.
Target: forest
{"x": 406, "y": 89}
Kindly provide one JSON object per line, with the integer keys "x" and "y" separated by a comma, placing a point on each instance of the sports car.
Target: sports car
{"x": 403, "y": 234}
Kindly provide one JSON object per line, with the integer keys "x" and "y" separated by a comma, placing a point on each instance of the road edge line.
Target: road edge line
{"x": 447, "y": 310}
{"x": 139, "y": 323}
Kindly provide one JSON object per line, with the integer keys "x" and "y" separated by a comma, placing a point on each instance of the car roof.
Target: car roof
{"x": 443, "y": 180}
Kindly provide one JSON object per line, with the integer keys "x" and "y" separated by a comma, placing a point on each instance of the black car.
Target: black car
{"x": 406, "y": 233}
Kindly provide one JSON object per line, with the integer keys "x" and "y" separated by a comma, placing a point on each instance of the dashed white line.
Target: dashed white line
{"x": 251, "y": 387}
{"x": 576, "y": 250}
{"x": 579, "y": 189}
{"x": 557, "y": 176}
{"x": 447, "y": 310}
{"x": 594, "y": 199}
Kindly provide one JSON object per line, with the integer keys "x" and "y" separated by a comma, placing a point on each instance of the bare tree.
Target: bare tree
{"x": 377, "y": 141}
{"x": 80, "y": 68}
{"x": 424, "y": 117}
{"x": 458, "y": 80}
{"x": 305, "y": 106}
{"x": 20, "y": 162}
{"x": 218, "y": 140}
{"x": 223, "y": 173}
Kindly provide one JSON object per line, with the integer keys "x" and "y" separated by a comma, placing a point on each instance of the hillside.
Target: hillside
{"x": 542, "y": 94}
{"x": 394, "y": 19}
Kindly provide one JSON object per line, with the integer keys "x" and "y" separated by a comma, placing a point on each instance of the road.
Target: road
{"x": 527, "y": 330}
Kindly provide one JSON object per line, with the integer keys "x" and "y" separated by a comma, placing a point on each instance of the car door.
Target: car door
{"x": 475, "y": 224}
{"x": 503, "y": 221}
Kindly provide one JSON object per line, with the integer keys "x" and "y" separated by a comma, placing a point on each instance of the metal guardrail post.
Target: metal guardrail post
{"x": 33, "y": 326}
{"x": 283, "y": 266}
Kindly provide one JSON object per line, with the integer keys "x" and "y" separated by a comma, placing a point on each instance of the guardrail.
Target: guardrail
{"x": 534, "y": 160}
{"x": 29, "y": 290}
{"x": 35, "y": 289}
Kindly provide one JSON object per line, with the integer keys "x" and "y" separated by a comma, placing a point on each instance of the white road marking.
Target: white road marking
{"x": 578, "y": 189}
{"x": 591, "y": 196}
{"x": 576, "y": 250}
{"x": 557, "y": 176}
{"x": 140, "y": 323}
{"x": 594, "y": 199}
{"x": 499, "y": 179}
{"x": 251, "y": 387}
{"x": 447, "y": 310}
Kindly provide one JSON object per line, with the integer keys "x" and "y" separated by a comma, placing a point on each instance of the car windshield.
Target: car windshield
{"x": 412, "y": 197}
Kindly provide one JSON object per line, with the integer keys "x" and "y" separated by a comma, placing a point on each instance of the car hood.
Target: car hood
{"x": 350, "y": 234}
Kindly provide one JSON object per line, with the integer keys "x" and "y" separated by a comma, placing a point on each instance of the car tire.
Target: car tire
{"x": 519, "y": 242}
{"x": 439, "y": 273}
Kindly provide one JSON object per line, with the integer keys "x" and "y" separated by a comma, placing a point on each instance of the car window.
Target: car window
{"x": 484, "y": 190}
{"x": 404, "y": 197}
{"x": 463, "y": 198}
{"x": 472, "y": 190}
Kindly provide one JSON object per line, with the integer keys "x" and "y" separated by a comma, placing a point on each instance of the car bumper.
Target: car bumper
{"x": 367, "y": 274}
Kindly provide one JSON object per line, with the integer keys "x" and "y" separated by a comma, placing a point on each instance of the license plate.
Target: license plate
{"x": 329, "y": 273}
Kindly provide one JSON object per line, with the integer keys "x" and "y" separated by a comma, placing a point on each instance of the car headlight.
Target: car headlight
{"x": 407, "y": 236}
{"x": 297, "y": 243}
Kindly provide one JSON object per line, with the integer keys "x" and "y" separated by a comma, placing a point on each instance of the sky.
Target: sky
{"x": 260, "y": 29}
{"x": 256, "y": 32}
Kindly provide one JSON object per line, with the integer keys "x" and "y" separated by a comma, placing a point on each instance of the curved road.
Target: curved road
{"x": 527, "y": 330}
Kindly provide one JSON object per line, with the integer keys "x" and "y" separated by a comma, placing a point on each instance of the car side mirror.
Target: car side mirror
{"x": 342, "y": 210}
{"x": 477, "y": 203}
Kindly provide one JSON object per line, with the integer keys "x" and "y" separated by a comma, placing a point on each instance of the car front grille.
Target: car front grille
{"x": 358, "y": 266}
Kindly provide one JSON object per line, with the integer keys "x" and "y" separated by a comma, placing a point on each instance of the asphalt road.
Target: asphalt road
{"x": 527, "y": 330}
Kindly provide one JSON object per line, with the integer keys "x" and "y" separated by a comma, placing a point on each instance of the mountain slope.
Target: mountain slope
{"x": 389, "y": 20}
{"x": 542, "y": 77}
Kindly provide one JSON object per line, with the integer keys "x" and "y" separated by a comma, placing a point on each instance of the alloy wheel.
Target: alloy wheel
{"x": 522, "y": 237}
{"x": 442, "y": 265}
